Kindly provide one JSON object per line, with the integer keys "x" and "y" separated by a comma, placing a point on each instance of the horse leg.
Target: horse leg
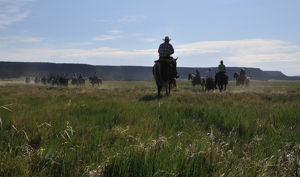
{"x": 168, "y": 92}
{"x": 220, "y": 87}
{"x": 159, "y": 87}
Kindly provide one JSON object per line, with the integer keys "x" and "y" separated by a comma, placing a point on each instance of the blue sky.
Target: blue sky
{"x": 243, "y": 33}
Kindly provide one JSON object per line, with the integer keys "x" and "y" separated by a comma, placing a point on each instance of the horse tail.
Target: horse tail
{"x": 157, "y": 75}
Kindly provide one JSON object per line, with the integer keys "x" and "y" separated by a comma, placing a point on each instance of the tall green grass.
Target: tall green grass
{"x": 123, "y": 129}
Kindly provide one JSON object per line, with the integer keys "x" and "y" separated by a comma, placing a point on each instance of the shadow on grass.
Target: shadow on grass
{"x": 150, "y": 98}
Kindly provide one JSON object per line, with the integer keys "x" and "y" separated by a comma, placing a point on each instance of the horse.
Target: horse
{"x": 27, "y": 80}
{"x": 163, "y": 74}
{"x": 95, "y": 80}
{"x": 81, "y": 82}
{"x": 74, "y": 81}
{"x": 44, "y": 81}
{"x": 210, "y": 84}
{"x": 37, "y": 80}
{"x": 52, "y": 80}
{"x": 63, "y": 81}
{"x": 241, "y": 81}
{"x": 222, "y": 80}
{"x": 197, "y": 80}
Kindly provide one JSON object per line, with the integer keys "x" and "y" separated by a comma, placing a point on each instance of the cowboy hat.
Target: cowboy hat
{"x": 167, "y": 38}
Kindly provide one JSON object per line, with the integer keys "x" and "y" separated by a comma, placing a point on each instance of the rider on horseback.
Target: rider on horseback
{"x": 165, "y": 51}
{"x": 222, "y": 69}
{"x": 95, "y": 75}
{"x": 209, "y": 80}
{"x": 209, "y": 74}
{"x": 80, "y": 76}
{"x": 197, "y": 75}
{"x": 242, "y": 75}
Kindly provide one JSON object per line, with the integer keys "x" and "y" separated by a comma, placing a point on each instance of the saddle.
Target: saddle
{"x": 163, "y": 60}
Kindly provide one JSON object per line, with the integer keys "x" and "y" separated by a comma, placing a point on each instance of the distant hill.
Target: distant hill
{"x": 128, "y": 73}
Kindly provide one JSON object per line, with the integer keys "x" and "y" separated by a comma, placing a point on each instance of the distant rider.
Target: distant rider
{"x": 209, "y": 79}
{"x": 209, "y": 74}
{"x": 95, "y": 75}
{"x": 57, "y": 77}
{"x": 242, "y": 75}
{"x": 165, "y": 51}
{"x": 74, "y": 76}
{"x": 221, "y": 68}
{"x": 197, "y": 77}
{"x": 80, "y": 76}
{"x": 197, "y": 73}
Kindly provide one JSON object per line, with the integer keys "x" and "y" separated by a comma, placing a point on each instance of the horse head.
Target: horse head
{"x": 236, "y": 76}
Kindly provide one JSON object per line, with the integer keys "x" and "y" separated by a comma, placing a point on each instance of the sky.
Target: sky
{"x": 261, "y": 34}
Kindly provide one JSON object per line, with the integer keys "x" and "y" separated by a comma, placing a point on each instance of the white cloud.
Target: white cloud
{"x": 21, "y": 39}
{"x": 78, "y": 44}
{"x": 125, "y": 19}
{"x": 12, "y": 11}
{"x": 130, "y": 19}
{"x": 105, "y": 37}
{"x": 244, "y": 51}
{"x": 148, "y": 40}
{"x": 265, "y": 54}
{"x": 114, "y": 31}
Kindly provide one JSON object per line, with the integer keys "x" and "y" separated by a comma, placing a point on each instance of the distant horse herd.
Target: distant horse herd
{"x": 60, "y": 81}
{"x": 163, "y": 75}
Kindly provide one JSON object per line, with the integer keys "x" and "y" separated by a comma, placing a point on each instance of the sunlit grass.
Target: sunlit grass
{"x": 123, "y": 129}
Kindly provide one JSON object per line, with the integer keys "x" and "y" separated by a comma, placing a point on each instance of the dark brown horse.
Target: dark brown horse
{"x": 163, "y": 74}
{"x": 94, "y": 81}
{"x": 222, "y": 80}
{"x": 210, "y": 84}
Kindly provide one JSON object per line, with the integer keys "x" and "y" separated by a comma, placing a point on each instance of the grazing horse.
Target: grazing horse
{"x": 163, "y": 74}
{"x": 197, "y": 80}
{"x": 241, "y": 81}
{"x": 95, "y": 80}
{"x": 222, "y": 80}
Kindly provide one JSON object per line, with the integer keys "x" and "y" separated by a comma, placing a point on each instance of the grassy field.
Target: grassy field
{"x": 123, "y": 129}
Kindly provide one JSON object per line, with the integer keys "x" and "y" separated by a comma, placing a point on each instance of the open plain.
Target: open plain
{"x": 122, "y": 129}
